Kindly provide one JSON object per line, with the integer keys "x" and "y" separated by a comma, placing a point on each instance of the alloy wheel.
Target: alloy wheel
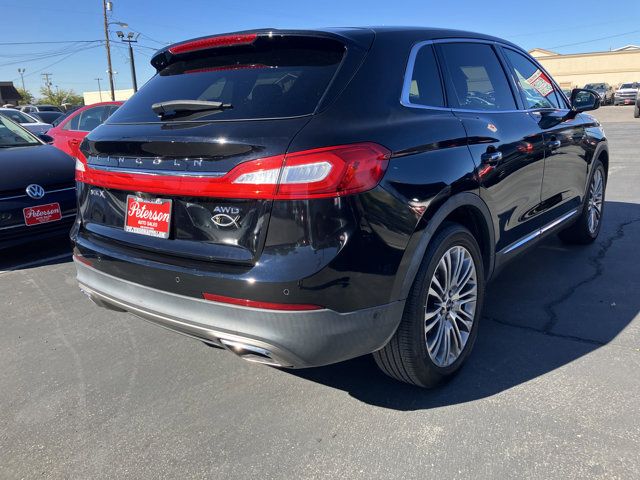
{"x": 451, "y": 306}
{"x": 594, "y": 207}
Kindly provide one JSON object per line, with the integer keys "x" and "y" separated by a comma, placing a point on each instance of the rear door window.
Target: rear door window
{"x": 72, "y": 124}
{"x": 272, "y": 78}
{"x": 425, "y": 87}
{"x": 536, "y": 87}
{"x": 475, "y": 77}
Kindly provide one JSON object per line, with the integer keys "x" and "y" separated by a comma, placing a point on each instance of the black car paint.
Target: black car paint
{"x": 358, "y": 251}
{"x": 43, "y": 165}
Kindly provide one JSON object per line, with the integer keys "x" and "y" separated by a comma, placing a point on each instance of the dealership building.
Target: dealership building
{"x": 614, "y": 67}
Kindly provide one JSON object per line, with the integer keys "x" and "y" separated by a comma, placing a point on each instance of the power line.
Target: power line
{"x": 43, "y": 43}
{"x": 60, "y": 60}
{"x": 595, "y": 39}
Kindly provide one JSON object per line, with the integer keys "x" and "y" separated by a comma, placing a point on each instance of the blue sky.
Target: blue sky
{"x": 584, "y": 25}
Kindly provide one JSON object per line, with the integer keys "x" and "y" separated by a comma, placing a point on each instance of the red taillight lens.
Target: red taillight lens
{"x": 213, "y": 42}
{"x": 332, "y": 171}
{"x": 318, "y": 173}
{"x": 257, "y": 304}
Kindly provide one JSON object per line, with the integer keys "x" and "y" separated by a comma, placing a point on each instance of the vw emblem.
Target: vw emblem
{"x": 35, "y": 191}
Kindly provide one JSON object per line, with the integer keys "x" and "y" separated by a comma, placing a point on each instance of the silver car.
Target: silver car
{"x": 34, "y": 125}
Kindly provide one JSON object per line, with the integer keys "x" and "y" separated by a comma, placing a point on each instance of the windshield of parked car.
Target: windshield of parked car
{"x": 272, "y": 78}
{"x": 13, "y": 135}
{"x": 629, "y": 85}
{"x": 18, "y": 116}
{"x": 595, "y": 86}
{"x": 48, "y": 108}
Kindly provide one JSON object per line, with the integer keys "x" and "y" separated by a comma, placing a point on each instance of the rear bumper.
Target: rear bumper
{"x": 283, "y": 338}
{"x": 21, "y": 234}
{"x": 624, "y": 100}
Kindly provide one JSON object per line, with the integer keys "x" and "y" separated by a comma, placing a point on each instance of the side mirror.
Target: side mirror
{"x": 46, "y": 138}
{"x": 584, "y": 100}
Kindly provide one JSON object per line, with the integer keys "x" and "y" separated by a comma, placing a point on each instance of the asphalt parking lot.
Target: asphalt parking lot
{"x": 550, "y": 391}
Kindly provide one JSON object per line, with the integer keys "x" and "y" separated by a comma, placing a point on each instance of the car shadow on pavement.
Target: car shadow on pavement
{"x": 546, "y": 309}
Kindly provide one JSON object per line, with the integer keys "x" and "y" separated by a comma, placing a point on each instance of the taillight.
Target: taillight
{"x": 333, "y": 171}
{"x": 213, "y": 42}
{"x": 317, "y": 173}
{"x": 322, "y": 172}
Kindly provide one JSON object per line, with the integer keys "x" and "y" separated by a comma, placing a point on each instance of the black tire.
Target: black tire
{"x": 579, "y": 232}
{"x": 636, "y": 112}
{"x": 406, "y": 357}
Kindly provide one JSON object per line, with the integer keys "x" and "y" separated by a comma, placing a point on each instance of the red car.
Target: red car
{"x": 69, "y": 133}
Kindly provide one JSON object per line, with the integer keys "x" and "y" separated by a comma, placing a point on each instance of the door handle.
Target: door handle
{"x": 554, "y": 144}
{"x": 491, "y": 158}
{"x": 74, "y": 141}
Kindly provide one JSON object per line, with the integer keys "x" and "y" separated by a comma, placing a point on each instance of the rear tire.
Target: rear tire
{"x": 440, "y": 321}
{"x": 636, "y": 112}
{"x": 584, "y": 230}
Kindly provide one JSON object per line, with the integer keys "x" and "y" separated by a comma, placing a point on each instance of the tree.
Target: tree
{"x": 60, "y": 96}
{"x": 27, "y": 96}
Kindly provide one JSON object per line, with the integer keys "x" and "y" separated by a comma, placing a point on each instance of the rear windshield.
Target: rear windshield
{"x": 273, "y": 78}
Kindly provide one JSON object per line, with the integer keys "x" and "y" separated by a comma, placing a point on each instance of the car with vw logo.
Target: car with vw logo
{"x": 301, "y": 197}
{"x": 37, "y": 187}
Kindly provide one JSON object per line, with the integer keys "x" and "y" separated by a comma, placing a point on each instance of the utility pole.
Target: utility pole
{"x": 106, "y": 38}
{"x": 99, "y": 89}
{"x": 129, "y": 39}
{"x": 47, "y": 82}
{"x": 21, "y": 72}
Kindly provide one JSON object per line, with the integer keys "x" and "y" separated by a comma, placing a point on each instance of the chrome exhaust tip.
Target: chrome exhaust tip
{"x": 251, "y": 353}
{"x": 100, "y": 303}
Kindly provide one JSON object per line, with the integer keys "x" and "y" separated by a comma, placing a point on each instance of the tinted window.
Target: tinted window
{"x": 426, "y": 88}
{"x": 536, "y": 87}
{"x": 72, "y": 124}
{"x": 274, "y": 77}
{"x": 91, "y": 118}
{"x": 18, "y": 116}
{"x": 476, "y": 78}
{"x": 48, "y": 108}
{"x": 12, "y": 135}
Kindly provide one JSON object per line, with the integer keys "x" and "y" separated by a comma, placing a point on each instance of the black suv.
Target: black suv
{"x": 305, "y": 197}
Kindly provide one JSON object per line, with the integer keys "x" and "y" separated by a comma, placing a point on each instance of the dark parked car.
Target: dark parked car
{"x": 40, "y": 108}
{"x": 37, "y": 188}
{"x": 47, "y": 117}
{"x": 305, "y": 197}
{"x": 604, "y": 90}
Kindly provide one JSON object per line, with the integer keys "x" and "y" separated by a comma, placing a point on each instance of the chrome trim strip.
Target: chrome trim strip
{"x": 538, "y": 233}
{"x": 46, "y": 192}
{"x": 521, "y": 242}
{"x": 158, "y": 173}
{"x": 68, "y": 215}
{"x": 557, "y": 222}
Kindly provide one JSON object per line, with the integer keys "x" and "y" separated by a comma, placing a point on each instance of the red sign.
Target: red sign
{"x": 148, "y": 217}
{"x": 541, "y": 83}
{"x": 42, "y": 214}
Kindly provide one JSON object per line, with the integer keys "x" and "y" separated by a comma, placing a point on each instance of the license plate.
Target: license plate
{"x": 148, "y": 217}
{"x": 42, "y": 214}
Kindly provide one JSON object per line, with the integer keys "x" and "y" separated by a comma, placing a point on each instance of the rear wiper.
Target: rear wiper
{"x": 176, "y": 107}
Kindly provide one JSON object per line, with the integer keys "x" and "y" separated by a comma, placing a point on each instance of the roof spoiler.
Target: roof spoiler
{"x": 361, "y": 38}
